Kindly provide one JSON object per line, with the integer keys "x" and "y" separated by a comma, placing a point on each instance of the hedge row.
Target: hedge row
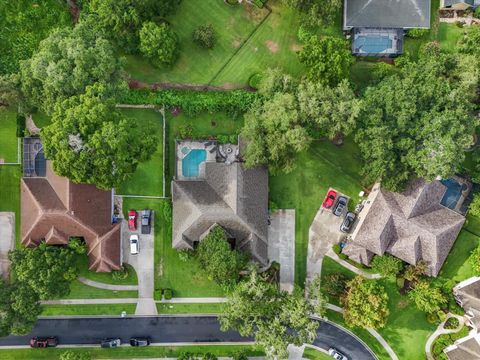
{"x": 194, "y": 102}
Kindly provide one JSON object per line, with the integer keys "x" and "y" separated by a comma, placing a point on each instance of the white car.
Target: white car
{"x": 337, "y": 355}
{"x": 134, "y": 244}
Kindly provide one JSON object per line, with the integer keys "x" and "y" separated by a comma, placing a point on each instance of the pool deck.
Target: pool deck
{"x": 209, "y": 146}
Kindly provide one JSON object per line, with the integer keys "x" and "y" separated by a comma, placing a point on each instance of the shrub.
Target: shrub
{"x": 337, "y": 249}
{"x": 120, "y": 274}
{"x": 71, "y": 355}
{"x": 168, "y": 294}
{"x": 254, "y": 80}
{"x": 78, "y": 245}
{"x": 459, "y": 24}
{"x": 387, "y": 265}
{"x": 20, "y": 125}
{"x": 432, "y": 318}
{"x": 204, "y": 36}
{"x": 185, "y": 255}
{"x": 343, "y": 256}
{"x": 240, "y": 355}
{"x": 477, "y": 13}
{"x": 159, "y": 43}
{"x": 167, "y": 210}
{"x": 185, "y": 131}
{"x": 400, "y": 282}
{"x": 417, "y": 33}
{"x": 157, "y": 294}
{"x": 452, "y": 323}
{"x": 209, "y": 356}
{"x": 334, "y": 284}
{"x": 186, "y": 356}
{"x": 232, "y": 2}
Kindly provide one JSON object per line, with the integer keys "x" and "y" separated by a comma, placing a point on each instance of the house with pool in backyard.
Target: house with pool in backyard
{"x": 212, "y": 187}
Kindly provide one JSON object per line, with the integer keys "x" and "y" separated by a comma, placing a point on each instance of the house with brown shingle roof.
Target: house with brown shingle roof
{"x": 412, "y": 225}
{"x": 54, "y": 209}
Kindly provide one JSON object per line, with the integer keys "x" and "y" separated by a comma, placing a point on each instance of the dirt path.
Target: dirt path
{"x": 136, "y": 84}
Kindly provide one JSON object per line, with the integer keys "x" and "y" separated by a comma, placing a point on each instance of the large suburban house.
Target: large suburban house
{"x": 421, "y": 223}
{"x": 459, "y": 4}
{"x": 212, "y": 187}
{"x": 54, "y": 209}
{"x": 467, "y": 295}
{"x": 378, "y": 26}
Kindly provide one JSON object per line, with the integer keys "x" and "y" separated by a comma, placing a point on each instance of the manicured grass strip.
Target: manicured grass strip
{"x": 98, "y": 309}
{"x": 41, "y": 120}
{"x": 129, "y": 352}
{"x": 189, "y": 308}
{"x": 8, "y": 135}
{"x": 105, "y": 278}
{"x": 10, "y": 193}
{"x": 82, "y": 291}
{"x": 148, "y": 178}
{"x": 313, "y": 354}
{"x": 363, "y": 334}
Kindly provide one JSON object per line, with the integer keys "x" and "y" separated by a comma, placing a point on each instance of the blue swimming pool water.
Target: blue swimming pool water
{"x": 452, "y": 194}
{"x": 373, "y": 44}
{"x": 191, "y": 162}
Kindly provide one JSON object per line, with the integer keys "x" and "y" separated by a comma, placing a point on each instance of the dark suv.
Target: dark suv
{"x": 340, "y": 206}
{"x": 111, "y": 343}
{"x": 347, "y": 222}
{"x": 43, "y": 342}
{"x": 140, "y": 341}
{"x": 146, "y": 221}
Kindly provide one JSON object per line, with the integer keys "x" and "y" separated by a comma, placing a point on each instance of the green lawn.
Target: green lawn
{"x": 41, "y": 120}
{"x": 148, "y": 178}
{"x": 97, "y": 309}
{"x": 363, "y": 334}
{"x": 322, "y": 166}
{"x": 329, "y": 267}
{"x": 8, "y": 135}
{"x": 106, "y": 278}
{"x": 196, "y": 308}
{"x": 10, "y": 193}
{"x": 79, "y": 290}
{"x": 313, "y": 354}
{"x": 186, "y": 279}
{"x": 129, "y": 352}
{"x": 232, "y": 24}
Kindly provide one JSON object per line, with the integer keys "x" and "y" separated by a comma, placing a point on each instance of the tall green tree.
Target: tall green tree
{"x": 332, "y": 111}
{"x": 327, "y": 59}
{"x": 365, "y": 303}
{"x": 66, "y": 63}
{"x": 158, "y": 43}
{"x": 24, "y": 307}
{"x": 275, "y": 133}
{"x": 276, "y": 318}
{"x": 468, "y": 44}
{"x": 47, "y": 270}
{"x": 220, "y": 262}
{"x": 427, "y": 298}
{"x": 316, "y": 297}
{"x": 274, "y": 80}
{"x": 387, "y": 265}
{"x": 417, "y": 123}
{"x": 91, "y": 142}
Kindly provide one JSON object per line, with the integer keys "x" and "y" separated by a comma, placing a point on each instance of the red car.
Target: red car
{"x": 330, "y": 199}
{"x": 132, "y": 220}
{"x": 43, "y": 342}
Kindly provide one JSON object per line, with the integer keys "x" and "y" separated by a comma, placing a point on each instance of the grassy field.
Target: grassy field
{"x": 10, "y": 193}
{"x": 148, "y": 178}
{"x": 105, "y": 278}
{"x": 232, "y": 24}
{"x": 8, "y": 137}
{"x": 79, "y": 290}
{"x": 189, "y": 308}
{"x": 97, "y": 309}
{"x": 186, "y": 279}
{"x": 129, "y": 352}
{"x": 313, "y": 354}
{"x": 324, "y": 165}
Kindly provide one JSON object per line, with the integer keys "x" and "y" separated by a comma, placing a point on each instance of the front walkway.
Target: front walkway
{"x": 440, "y": 331}
{"x": 281, "y": 245}
{"x": 100, "y": 285}
{"x": 331, "y": 254}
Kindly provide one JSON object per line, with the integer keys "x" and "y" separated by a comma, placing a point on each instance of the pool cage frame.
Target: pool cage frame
{"x": 32, "y": 146}
{"x": 397, "y": 41}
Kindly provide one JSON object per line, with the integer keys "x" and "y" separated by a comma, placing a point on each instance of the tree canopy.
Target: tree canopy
{"x": 426, "y": 298}
{"x": 387, "y": 265}
{"x": 365, "y": 303}
{"x": 275, "y": 318}
{"x": 158, "y": 43}
{"x": 66, "y": 63}
{"x": 417, "y": 123}
{"x": 317, "y": 12}
{"x": 220, "y": 262}
{"x": 91, "y": 142}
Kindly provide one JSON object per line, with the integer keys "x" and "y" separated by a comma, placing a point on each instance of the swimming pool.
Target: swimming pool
{"x": 453, "y": 193}
{"x": 191, "y": 162}
{"x": 373, "y": 44}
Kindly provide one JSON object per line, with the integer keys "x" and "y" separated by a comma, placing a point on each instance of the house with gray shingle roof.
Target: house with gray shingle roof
{"x": 459, "y": 4}
{"x": 413, "y": 226}
{"x": 223, "y": 192}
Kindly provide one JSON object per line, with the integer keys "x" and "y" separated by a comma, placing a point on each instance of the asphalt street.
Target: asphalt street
{"x": 170, "y": 329}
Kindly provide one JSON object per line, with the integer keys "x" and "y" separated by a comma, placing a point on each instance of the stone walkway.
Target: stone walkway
{"x": 334, "y": 256}
{"x": 441, "y": 330}
{"x": 31, "y": 127}
{"x": 281, "y": 245}
{"x": 100, "y": 285}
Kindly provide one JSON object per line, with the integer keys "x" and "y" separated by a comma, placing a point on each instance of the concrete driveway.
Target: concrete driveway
{"x": 324, "y": 232}
{"x": 7, "y": 241}
{"x": 143, "y": 264}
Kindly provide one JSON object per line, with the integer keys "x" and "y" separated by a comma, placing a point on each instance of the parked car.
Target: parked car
{"x": 337, "y": 355}
{"x": 43, "y": 342}
{"x": 347, "y": 222}
{"x": 146, "y": 221}
{"x": 140, "y": 341}
{"x": 330, "y": 199}
{"x": 132, "y": 220}
{"x": 340, "y": 206}
{"x": 134, "y": 244}
{"x": 110, "y": 343}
